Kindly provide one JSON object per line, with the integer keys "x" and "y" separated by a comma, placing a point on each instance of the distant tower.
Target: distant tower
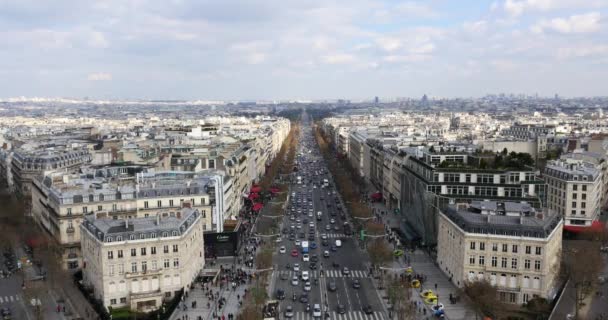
{"x": 376, "y": 100}
{"x": 556, "y": 96}
{"x": 424, "y": 100}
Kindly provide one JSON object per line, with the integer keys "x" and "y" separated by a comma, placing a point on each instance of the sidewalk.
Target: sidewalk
{"x": 206, "y": 308}
{"x": 436, "y": 280}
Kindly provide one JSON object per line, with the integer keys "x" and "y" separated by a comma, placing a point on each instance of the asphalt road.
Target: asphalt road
{"x": 348, "y": 255}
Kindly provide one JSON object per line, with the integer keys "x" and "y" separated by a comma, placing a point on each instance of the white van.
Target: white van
{"x": 338, "y": 243}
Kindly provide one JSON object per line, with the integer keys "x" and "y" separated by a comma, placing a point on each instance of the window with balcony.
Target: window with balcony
{"x": 159, "y": 203}
{"x": 503, "y": 262}
{"x": 514, "y": 248}
{"x": 121, "y": 269}
{"x": 527, "y": 264}
{"x": 119, "y": 253}
{"x": 482, "y": 260}
{"x": 505, "y": 247}
{"x": 176, "y": 262}
{"x": 537, "y": 265}
{"x": 472, "y": 246}
{"x": 166, "y": 263}
{"x": 133, "y": 252}
{"x": 471, "y": 260}
{"x": 175, "y": 248}
{"x": 482, "y": 246}
{"x": 494, "y": 262}
{"x": 143, "y": 251}
{"x": 166, "y": 249}
{"x": 144, "y": 266}
{"x": 494, "y": 246}
{"x": 539, "y": 251}
{"x": 513, "y": 263}
{"x": 152, "y": 250}
{"x": 110, "y": 254}
{"x": 133, "y": 267}
{"x": 528, "y": 249}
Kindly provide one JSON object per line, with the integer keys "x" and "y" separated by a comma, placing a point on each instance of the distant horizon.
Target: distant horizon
{"x": 288, "y": 100}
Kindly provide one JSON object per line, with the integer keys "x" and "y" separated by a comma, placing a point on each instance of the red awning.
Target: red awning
{"x": 257, "y": 207}
{"x": 274, "y": 190}
{"x": 253, "y": 196}
{"x": 377, "y": 195}
{"x": 256, "y": 189}
{"x": 596, "y": 226}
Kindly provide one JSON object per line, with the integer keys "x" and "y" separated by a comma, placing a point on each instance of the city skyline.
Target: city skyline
{"x": 247, "y": 50}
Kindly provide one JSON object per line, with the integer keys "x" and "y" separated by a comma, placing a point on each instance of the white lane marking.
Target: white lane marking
{"x": 12, "y": 299}
{"x": 1, "y": 300}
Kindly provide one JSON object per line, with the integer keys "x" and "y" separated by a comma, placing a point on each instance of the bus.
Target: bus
{"x": 304, "y": 247}
{"x": 325, "y": 183}
{"x": 299, "y": 178}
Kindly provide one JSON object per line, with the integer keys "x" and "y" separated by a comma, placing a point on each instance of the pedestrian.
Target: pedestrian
{"x": 63, "y": 308}
{"x": 435, "y": 287}
{"x": 58, "y": 308}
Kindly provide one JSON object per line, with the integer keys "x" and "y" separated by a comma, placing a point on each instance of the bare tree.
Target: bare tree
{"x": 379, "y": 252}
{"x": 484, "y": 297}
{"x": 581, "y": 264}
{"x": 399, "y": 296}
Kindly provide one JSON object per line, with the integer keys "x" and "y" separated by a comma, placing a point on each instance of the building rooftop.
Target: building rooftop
{"x": 503, "y": 218}
{"x": 110, "y": 230}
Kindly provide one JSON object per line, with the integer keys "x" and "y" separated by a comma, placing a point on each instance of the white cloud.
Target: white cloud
{"x": 256, "y": 58}
{"x": 339, "y": 58}
{"x": 389, "y": 43}
{"x": 582, "y": 51}
{"x": 503, "y": 65}
{"x": 582, "y": 23}
{"x": 518, "y": 7}
{"x": 99, "y": 76}
{"x": 476, "y": 27}
{"x": 98, "y": 40}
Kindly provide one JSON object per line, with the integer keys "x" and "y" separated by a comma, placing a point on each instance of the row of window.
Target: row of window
{"x": 142, "y": 266}
{"x": 159, "y": 203}
{"x": 142, "y": 236}
{"x": 142, "y": 251}
{"x": 481, "y": 260}
{"x": 502, "y": 280}
{"x": 505, "y": 247}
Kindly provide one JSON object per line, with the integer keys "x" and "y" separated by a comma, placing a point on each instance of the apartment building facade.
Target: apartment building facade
{"x": 574, "y": 191}
{"x": 60, "y": 202}
{"x": 511, "y": 245}
{"x": 140, "y": 262}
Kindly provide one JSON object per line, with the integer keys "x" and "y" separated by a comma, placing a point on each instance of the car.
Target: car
{"x": 338, "y": 243}
{"x": 295, "y": 281}
{"x": 314, "y": 258}
{"x": 316, "y": 311}
{"x": 427, "y": 293}
{"x": 327, "y": 228}
{"x": 368, "y": 309}
{"x": 325, "y": 242}
{"x": 340, "y": 309}
{"x": 305, "y": 276}
{"x": 313, "y": 245}
{"x": 311, "y": 237}
{"x": 284, "y": 276}
{"x": 325, "y": 254}
{"x": 280, "y": 294}
{"x": 6, "y": 313}
{"x": 299, "y": 226}
{"x": 324, "y": 236}
{"x": 307, "y": 286}
{"x": 430, "y": 300}
{"x": 282, "y": 249}
{"x": 301, "y": 235}
{"x": 333, "y": 248}
{"x": 356, "y": 284}
{"x": 312, "y": 266}
{"x": 288, "y": 312}
{"x": 296, "y": 267}
{"x": 336, "y": 228}
{"x": 331, "y": 285}
{"x": 292, "y": 237}
{"x": 304, "y": 297}
{"x": 294, "y": 253}
{"x": 305, "y": 257}
{"x": 279, "y": 239}
{"x": 345, "y": 271}
{"x": 332, "y": 221}
{"x": 310, "y": 214}
{"x": 298, "y": 243}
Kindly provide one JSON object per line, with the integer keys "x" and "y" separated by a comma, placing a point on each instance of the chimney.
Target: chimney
{"x": 127, "y": 223}
{"x": 179, "y": 214}
{"x": 158, "y": 219}
{"x": 539, "y": 216}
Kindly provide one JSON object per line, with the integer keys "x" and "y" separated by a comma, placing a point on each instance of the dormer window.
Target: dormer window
{"x": 119, "y": 238}
{"x": 132, "y": 237}
{"x": 175, "y": 233}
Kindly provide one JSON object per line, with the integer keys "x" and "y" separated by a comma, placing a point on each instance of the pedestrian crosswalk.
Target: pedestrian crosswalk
{"x": 351, "y": 315}
{"x": 336, "y": 235}
{"x": 327, "y": 274}
{"x": 9, "y": 299}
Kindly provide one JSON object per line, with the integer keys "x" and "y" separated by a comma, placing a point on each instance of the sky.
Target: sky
{"x": 291, "y": 49}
